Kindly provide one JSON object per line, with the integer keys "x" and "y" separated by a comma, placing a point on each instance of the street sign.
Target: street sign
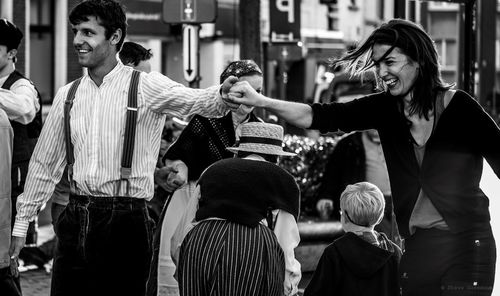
{"x": 284, "y": 20}
{"x": 189, "y": 11}
{"x": 190, "y": 52}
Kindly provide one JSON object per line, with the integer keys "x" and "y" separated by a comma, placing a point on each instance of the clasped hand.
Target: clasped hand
{"x": 235, "y": 93}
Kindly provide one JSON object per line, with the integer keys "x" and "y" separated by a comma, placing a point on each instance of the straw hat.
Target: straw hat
{"x": 261, "y": 137}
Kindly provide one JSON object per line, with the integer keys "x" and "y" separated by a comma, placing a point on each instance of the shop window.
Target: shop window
{"x": 448, "y": 53}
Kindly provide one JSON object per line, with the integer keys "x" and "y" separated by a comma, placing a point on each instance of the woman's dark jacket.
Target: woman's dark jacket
{"x": 452, "y": 166}
{"x": 346, "y": 165}
{"x": 203, "y": 142}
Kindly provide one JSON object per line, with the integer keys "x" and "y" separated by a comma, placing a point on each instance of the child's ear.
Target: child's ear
{"x": 11, "y": 54}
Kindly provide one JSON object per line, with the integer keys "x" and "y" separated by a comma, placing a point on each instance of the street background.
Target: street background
{"x": 293, "y": 41}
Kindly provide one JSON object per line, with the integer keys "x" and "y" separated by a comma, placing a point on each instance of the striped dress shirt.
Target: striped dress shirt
{"x": 97, "y": 133}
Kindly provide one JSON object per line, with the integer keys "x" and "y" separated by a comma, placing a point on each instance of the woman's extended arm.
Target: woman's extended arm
{"x": 297, "y": 114}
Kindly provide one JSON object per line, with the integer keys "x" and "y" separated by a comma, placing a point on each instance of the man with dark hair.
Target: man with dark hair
{"x": 106, "y": 128}
{"x": 136, "y": 56}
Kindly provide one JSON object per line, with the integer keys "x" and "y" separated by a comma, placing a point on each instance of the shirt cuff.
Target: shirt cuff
{"x": 20, "y": 228}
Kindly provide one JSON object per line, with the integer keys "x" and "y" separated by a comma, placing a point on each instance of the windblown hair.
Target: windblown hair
{"x": 416, "y": 44}
{"x": 364, "y": 203}
{"x": 133, "y": 53}
{"x": 109, "y": 13}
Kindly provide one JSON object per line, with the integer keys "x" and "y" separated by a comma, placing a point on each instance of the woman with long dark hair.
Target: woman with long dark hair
{"x": 434, "y": 140}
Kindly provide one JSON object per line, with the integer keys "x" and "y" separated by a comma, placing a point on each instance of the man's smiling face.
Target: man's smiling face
{"x": 91, "y": 44}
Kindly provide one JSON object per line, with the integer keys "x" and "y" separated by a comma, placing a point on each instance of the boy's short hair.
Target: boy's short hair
{"x": 364, "y": 204}
{"x": 109, "y": 13}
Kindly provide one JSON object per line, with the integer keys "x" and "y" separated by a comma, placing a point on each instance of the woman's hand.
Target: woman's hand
{"x": 243, "y": 93}
{"x": 224, "y": 92}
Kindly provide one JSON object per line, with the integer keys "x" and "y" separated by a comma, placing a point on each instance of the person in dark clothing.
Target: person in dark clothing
{"x": 358, "y": 157}
{"x": 136, "y": 56}
{"x": 246, "y": 226}
{"x": 202, "y": 142}
{"x": 435, "y": 141}
{"x": 362, "y": 261}
{"x": 20, "y": 101}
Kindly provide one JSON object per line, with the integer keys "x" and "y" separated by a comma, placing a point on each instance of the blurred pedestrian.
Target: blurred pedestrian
{"x": 9, "y": 274}
{"x": 136, "y": 56}
{"x": 20, "y": 99}
{"x": 105, "y": 231}
{"x": 362, "y": 261}
{"x": 358, "y": 157}
{"x": 435, "y": 140}
{"x": 202, "y": 142}
{"x": 245, "y": 228}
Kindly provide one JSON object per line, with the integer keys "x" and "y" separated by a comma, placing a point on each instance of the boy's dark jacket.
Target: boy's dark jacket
{"x": 351, "y": 266}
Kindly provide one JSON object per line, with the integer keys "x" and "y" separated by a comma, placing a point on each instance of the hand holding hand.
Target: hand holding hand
{"x": 224, "y": 91}
{"x": 161, "y": 177}
{"x": 172, "y": 176}
{"x": 243, "y": 93}
{"x": 176, "y": 180}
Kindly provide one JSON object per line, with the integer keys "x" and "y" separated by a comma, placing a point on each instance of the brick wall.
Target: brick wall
{"x": 19, "y": 19}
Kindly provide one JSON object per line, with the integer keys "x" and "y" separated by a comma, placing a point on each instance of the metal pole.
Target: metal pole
{"x": 486, "y": 49}
{"x": 469, "y": 48}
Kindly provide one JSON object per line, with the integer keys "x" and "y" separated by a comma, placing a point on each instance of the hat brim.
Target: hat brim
{"x": 262, "y": 149}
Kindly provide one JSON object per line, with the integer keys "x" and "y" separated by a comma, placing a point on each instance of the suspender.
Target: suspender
{"x": 70, "y": 157}
{"x": 130, "y": 127}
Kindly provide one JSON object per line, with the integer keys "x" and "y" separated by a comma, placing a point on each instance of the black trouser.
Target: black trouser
{"x": 437, "y": 262}
{"x": 9, "y": 285}
{"x": 104, "y": 247}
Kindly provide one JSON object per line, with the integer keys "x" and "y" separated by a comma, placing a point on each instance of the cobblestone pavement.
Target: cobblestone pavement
{"x": 35, "y": 282}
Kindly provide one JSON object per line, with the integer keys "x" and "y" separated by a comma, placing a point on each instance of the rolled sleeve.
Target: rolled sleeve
{"x": 20, "y": 102}
{"x": 20, "y": 228}
{"x": 164, "y": 95}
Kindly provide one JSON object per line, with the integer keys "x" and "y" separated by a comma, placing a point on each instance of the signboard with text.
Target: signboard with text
{"x": 144, "y": 18}
{"x": 284, "y": 20}
{"x": 189, "y": 11}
